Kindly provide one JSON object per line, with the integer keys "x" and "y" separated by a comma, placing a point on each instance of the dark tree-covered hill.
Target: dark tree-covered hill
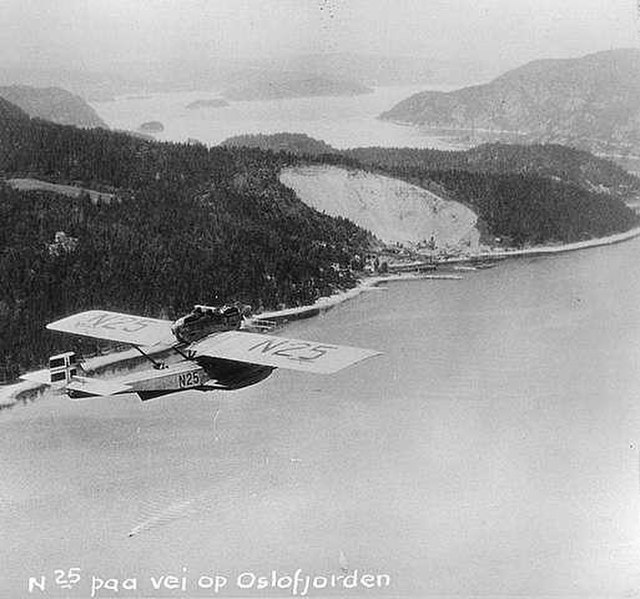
{"x": 523, "y": 194}
{"x": 294, "y": 143}
{"x": 554, "y": 161}
{"x": 190, "y": 225}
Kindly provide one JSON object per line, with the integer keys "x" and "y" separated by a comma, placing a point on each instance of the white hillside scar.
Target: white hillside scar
{"x": 394, "y": 211}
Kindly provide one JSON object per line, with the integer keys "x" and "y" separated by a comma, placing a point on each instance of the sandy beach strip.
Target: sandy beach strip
{"x": 541, "y": 250}
{"x": 567, "y": 247}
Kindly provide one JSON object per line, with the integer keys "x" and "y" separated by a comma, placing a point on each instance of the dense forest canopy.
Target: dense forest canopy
{"x": 547, "y": 160}
{"x": 294, "y": 143}
{"x": 523, "y": 195}
{"x": 189, "y": 225}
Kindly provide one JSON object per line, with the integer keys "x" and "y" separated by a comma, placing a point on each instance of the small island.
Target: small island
{"x": 151, "y": 127}
{"x": 211, "y": 103}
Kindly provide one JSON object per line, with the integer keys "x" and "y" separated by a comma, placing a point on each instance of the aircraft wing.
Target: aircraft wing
{"x": 113, "y": 326}
{"x": 280, "y": 352}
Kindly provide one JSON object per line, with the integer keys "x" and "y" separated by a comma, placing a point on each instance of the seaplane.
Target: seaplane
{"x": 214, "y": 352}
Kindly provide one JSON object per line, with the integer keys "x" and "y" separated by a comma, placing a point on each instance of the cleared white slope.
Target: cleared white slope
{"x": 391, "y": 209}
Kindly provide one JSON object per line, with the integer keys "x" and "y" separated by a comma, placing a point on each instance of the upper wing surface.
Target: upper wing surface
{"x": 280, "y": 352}
{"x": 113, "y": 326}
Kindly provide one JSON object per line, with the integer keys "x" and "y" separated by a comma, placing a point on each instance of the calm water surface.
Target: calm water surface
{"x": 492, "y": 450}
{"x": 340, "y": 121}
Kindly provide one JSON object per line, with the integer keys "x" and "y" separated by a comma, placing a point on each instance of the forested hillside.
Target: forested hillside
{"x": 522, "y": 202}
{"x": 294, "y": 143}
{"x": 190, "y": 225}
{"x": 554, "y": 161}
{"x": 523, "y": 195}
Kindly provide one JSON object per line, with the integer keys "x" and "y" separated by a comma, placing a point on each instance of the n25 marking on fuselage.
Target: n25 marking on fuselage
{"x": 300, "y": 351}
{"x": 188, "y": 379}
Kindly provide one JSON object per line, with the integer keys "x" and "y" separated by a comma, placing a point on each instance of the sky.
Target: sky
{"x": 95, "y": 34}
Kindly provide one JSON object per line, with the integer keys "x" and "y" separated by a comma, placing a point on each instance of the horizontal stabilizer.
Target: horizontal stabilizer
{"x": 87, "y": 387}
{"x": 113, "y": 326}
{"x": 39, "y": 376}
{"x": 79, "y": 386}
{"x": 280, "y": 352}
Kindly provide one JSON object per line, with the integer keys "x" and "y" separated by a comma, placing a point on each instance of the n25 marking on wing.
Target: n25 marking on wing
{"x": 127, "y": 324}
{"x": 299, "y": 351}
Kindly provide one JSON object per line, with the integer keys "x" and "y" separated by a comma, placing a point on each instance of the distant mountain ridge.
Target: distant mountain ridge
{"x": 265, "y": 85}
{"x": 591, "y": 102}
{"x": 210, "y": 73}
{"x": 53, "y": 104}
{"x": 369, "y": 69}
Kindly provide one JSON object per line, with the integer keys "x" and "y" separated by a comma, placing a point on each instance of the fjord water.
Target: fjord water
{"x": 492, "y": 450}
{"x": 343, "y": 122}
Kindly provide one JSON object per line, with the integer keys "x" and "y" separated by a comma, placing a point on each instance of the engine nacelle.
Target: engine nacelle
{"x": 206, "y": 320}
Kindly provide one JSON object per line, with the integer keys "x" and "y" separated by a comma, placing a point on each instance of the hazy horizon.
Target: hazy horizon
{"x": 124, "y": 37}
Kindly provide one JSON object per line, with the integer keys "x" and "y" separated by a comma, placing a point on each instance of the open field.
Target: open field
{"x": 70, "y": 191}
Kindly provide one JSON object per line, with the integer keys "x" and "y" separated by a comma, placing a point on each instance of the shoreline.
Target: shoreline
{"x": 560, "y": 248}
{"x": 12, "y": 393}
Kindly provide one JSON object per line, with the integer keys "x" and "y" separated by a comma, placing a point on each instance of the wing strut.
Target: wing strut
{"x": 157, "y": 365}
{"x": 187, "y": 356}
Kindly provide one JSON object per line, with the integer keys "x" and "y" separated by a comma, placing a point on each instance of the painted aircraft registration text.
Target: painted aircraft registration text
{"x": 114, "y": 322}
{"x": 188, "y": 379}
{"x": 300, "y": 351}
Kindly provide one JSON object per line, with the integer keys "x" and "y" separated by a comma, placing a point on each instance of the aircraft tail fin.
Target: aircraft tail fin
{"x": 63, "y": 374}
{"x": 62, "y": 369}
